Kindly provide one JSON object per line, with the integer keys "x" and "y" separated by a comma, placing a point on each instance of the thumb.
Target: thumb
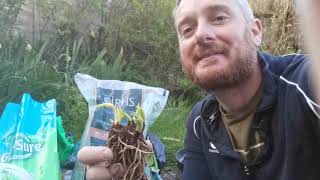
{"x": 115, "y": 169}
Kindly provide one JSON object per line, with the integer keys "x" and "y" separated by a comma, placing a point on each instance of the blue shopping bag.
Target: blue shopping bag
{"x": 28, "y": 141}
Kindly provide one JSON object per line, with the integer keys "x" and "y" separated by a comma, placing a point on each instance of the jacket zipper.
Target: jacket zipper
{"x": 246, "y": 170}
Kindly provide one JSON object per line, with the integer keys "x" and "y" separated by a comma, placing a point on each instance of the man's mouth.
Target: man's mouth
{"x": 208, "y": 55}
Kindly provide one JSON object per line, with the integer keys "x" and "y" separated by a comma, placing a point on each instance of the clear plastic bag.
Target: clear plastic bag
{"x": 124, "y": 95}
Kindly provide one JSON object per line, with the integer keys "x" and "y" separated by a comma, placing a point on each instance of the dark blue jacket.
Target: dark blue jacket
{"x": 287, "y": 120}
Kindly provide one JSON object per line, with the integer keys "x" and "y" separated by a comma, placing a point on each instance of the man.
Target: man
{"x": 260, "y": 120}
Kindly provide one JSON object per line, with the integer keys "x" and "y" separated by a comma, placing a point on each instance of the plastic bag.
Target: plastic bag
{"x": 65, "y": 146}
{"x": 159, "y": 149}
{"x": 28, "y": 144}
{"x": 124, "y": 95}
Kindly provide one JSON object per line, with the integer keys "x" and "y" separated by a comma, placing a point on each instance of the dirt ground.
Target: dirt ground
{"x": 170, "y": 174}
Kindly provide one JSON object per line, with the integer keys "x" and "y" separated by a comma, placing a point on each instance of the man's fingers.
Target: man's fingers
{"x": 100, "y": 172}
{"x": 95, "y": 154}
{"x": 117, "y": 170}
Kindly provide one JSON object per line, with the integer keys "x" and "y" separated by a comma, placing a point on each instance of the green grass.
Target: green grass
{"x": 170, "y": 128}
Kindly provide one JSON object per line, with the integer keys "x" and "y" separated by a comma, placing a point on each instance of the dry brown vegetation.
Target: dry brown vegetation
{"x": 281, "y": 33}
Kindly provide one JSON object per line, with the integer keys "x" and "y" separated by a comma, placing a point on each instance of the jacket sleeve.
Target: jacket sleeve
{"x": 195, "y": 166}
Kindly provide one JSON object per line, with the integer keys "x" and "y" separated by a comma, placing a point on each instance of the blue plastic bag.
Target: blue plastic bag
{"x": 28, "y": 141}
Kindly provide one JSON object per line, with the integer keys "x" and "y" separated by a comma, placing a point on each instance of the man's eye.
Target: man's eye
{"x": 186, "y": 30}
{"x": 220, "y": 19}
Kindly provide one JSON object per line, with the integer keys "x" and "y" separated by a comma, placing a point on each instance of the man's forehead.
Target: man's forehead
{"x": 191, "y": 5}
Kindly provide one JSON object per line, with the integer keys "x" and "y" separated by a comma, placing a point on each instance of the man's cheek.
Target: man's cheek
{"x": 186, "y": 66}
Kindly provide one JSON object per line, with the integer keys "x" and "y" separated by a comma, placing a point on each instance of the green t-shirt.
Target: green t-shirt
{"x": 245, "y": 141}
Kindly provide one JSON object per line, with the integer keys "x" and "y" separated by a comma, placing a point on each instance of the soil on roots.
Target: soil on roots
{"x": 130, "y": 149}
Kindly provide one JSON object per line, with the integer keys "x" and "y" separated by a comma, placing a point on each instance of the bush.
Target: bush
{"x": 25, "y": 69}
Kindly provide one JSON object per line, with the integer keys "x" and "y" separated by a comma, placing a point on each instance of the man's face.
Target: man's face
{"x": 217, "y": 45}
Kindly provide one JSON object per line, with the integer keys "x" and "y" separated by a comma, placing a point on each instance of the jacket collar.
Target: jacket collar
{"x": 270, "y": 83}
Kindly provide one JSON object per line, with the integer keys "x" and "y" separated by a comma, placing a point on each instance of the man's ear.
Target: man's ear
{"x": 256, "y": 30}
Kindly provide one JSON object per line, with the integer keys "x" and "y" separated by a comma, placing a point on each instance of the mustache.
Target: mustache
{"x": 209, "y": 50}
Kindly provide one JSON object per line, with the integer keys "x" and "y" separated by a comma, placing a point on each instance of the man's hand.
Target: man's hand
{"x": 98, "y": 160}
{"x": 309, "y": 12}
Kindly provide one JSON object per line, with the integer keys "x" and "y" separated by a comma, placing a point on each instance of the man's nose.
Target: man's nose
{"x": 205, "y": 35}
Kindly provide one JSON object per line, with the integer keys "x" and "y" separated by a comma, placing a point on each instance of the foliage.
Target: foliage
{"x": 281, "y": 33}
{"x": 24, "y": 69}
{"x": 170, "y": 127}
{"x": 149, "y": 42}
{"x": 9, "y": 12}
